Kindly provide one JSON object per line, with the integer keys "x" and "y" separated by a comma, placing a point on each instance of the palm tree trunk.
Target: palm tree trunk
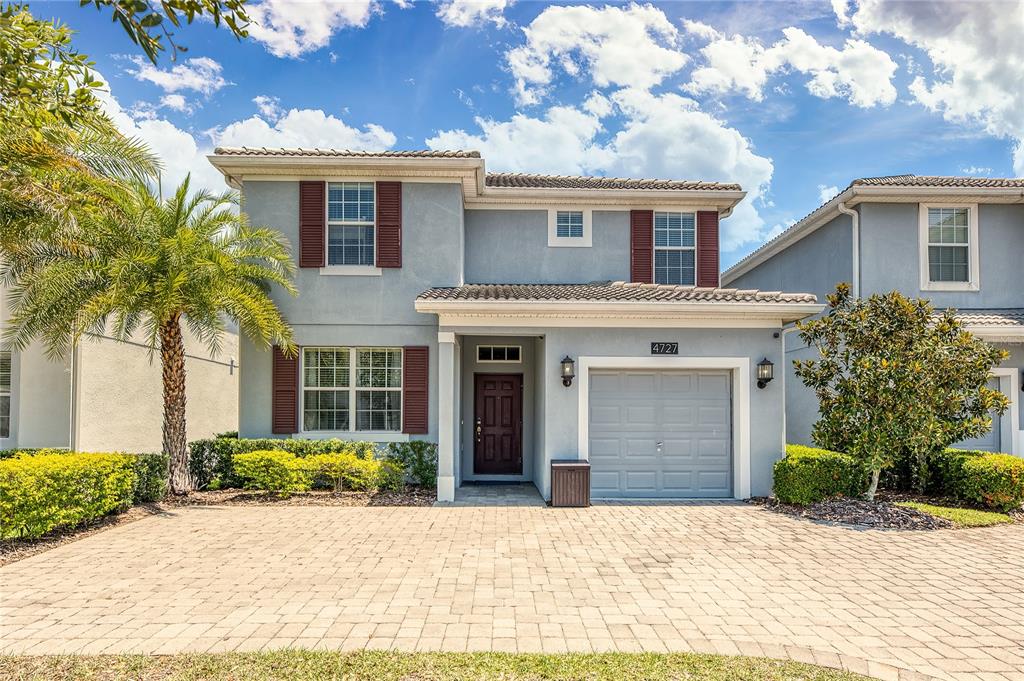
{"x": 172, "y": 357}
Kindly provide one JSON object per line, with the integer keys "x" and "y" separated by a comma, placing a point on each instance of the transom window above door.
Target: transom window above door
{"x": 949, "y": 248}
{"x": 350, "y": 223}
{"x": 675, "y": 249}
{"x": 498, "y": 353}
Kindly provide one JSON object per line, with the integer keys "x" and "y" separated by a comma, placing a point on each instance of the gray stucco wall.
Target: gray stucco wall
{"x": 814, "y": 264}
{"x": 511, "y": 247}
{"x": 890, "y": 256}
{"x": 357, "y": 310}
{"x": 562, "y": 404}
{"x": 470, "y": 367}
{"x": 41, "y": 400}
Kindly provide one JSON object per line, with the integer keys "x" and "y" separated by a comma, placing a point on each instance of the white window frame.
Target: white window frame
{"x": 8, "y": 392}
{"x": 348, "y": 270}
{"x": 973, "y": 251}
{"x": 655, "y": 248}
{"x": 585, "y": 241}
{"x": 499, "y": 361}
{"x": 353, "y": 388}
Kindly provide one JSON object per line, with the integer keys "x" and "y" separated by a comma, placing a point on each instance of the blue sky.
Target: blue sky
{"x": 789, "y": 99}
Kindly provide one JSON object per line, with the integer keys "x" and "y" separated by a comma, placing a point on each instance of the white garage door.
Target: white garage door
{"x": 990, "y": 441}
{"x": 660, "y": 434}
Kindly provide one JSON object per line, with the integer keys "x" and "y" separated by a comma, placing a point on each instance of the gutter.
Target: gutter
{"x": 855, "y": 217}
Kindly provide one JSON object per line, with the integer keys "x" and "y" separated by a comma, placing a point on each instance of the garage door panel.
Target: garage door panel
{"x": 687, "y": 412}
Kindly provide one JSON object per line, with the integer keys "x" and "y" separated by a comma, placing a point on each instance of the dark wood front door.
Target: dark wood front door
{"x": 498, "y": 425}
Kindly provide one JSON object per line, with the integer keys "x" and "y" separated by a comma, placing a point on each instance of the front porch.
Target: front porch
{"x": 490, "y": 420}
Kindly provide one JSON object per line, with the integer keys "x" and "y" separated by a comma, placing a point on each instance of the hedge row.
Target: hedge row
{"x": 46, "y": 489}
{"x": 285, "y": 473}
{"x": 806, "y": 475}
{"x": 212, "y": 461}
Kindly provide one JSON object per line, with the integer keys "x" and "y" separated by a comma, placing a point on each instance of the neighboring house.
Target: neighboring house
{"x": 441, "y": 302}
{"x": 107, "y": 395}
{"x": 958, "y": 241}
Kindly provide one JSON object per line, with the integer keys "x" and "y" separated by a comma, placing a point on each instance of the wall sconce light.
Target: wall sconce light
{"x": 765, "y": 372}
{"x": 568, "y": 371}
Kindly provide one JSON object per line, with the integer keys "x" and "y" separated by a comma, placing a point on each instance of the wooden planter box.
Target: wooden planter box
{"x": 570, "y": 483}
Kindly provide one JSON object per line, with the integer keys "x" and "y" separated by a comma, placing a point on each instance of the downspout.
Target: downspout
{"x": 855, "y": 217}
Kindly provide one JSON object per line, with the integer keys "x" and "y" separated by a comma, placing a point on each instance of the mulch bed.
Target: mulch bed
{"x": 880, "y": 514}
{"x": 12, "y": 550}
{"x": 411, "y": 496}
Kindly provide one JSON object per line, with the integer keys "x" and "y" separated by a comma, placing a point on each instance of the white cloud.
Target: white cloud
{"x": 976, "y": 170}
{"x": 859, "y": 72}
{"x": 184, "y": 152}
{"x": 465, "y": 13}
{"x": 201, "y": 74}
{"x": 291, "y": 29}
{"x": 303, "y": 128}
{"x": 976, "y": 52}
{"x": 632, "y": 46}
{"x": 269, "y": 107}
{"x": 826, "y": 193}
{"x": 176, "y": 103}
{"x": 664, "y": 136}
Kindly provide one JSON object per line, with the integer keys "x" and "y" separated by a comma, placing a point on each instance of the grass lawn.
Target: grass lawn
{"x": 964, "y": 517}
{"x": 306, "y": 665}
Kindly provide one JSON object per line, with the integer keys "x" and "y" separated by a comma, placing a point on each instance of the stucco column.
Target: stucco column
{"x": 446, "y": 410}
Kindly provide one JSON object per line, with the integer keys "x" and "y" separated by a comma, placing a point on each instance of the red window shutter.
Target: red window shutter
{"x": 285, "y": 389}
{"x": 415, "y": 393}
{"x": 312, "y": 226}
{"x": 641, "y": 246}
{"x": 389, "y": 224}
{"x": 707, "y": 248}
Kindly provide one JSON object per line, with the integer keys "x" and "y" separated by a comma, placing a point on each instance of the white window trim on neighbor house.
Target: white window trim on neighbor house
{"x": 352, "y": 389}
{"x": 6, "y": 390}
{"x": 973, "y": 282}
{"x": 584, "y": 241}
{"x": 739, "y": 368}
{"x": 348, "y": 270}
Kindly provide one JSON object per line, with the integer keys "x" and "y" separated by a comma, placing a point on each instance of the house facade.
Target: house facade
{"x": 106, "y": 395}
{"x": 515, "y": 320}
{"x": 957, "y": 241}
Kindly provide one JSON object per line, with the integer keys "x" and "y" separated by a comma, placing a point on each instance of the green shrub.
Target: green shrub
{"x": 212, "y": 458}
{"x": 273, "y": 471}
{"x": 418, "y": 459}
{"x": 391, "y": 477}
{"x": 348, "y": 471}
{"x": 150, "y": 477}
{"x": 40, "y": 492}
{"x": 806, "y": 475}
{"x": 994, "y": 480}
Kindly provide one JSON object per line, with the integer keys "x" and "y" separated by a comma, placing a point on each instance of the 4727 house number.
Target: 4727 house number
{"x": 664, "y": 348}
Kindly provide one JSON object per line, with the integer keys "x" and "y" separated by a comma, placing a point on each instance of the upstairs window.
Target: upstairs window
{"x": 569, "y": 224}
{"x": 948, "y": 244}
{"x": 350, "y": 223}
{"x": 675, "y": 249}
{"x": 5, "y": 394}
{"x": 949, "y": 248}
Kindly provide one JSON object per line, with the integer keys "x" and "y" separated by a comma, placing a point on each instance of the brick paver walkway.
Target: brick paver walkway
{"x": 727, "y": 578}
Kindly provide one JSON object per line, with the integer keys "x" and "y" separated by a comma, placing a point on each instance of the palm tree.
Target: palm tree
{"x": 152, "y": 266}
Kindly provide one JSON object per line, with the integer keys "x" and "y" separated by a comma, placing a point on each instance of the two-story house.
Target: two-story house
{"x": 957, "y": 241}
{"x": 515, "y": 320}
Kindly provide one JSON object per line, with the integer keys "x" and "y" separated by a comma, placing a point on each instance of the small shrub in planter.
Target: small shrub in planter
{"x": 418, "y": 459}
{"x": 44, "y": 491}
{"x": 806, "y": 475}
{"x": 273, "y": 471}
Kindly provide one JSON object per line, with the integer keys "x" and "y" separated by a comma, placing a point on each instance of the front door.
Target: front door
{"x": 498, "y": 425}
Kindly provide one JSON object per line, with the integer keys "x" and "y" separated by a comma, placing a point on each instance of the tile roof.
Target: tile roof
{"x": 939, "y": 181}
{"x": 530, "y": 181}
{"x": 617, "y": 291}
{"x": 1008, "y": 317}
{"x": 350, "y": 153}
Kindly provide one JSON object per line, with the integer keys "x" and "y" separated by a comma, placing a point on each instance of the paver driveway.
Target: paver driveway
{"x": 722, "y": 577}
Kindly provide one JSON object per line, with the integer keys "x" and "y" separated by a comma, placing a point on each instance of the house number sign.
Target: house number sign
{"x": 664, "y": 348}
